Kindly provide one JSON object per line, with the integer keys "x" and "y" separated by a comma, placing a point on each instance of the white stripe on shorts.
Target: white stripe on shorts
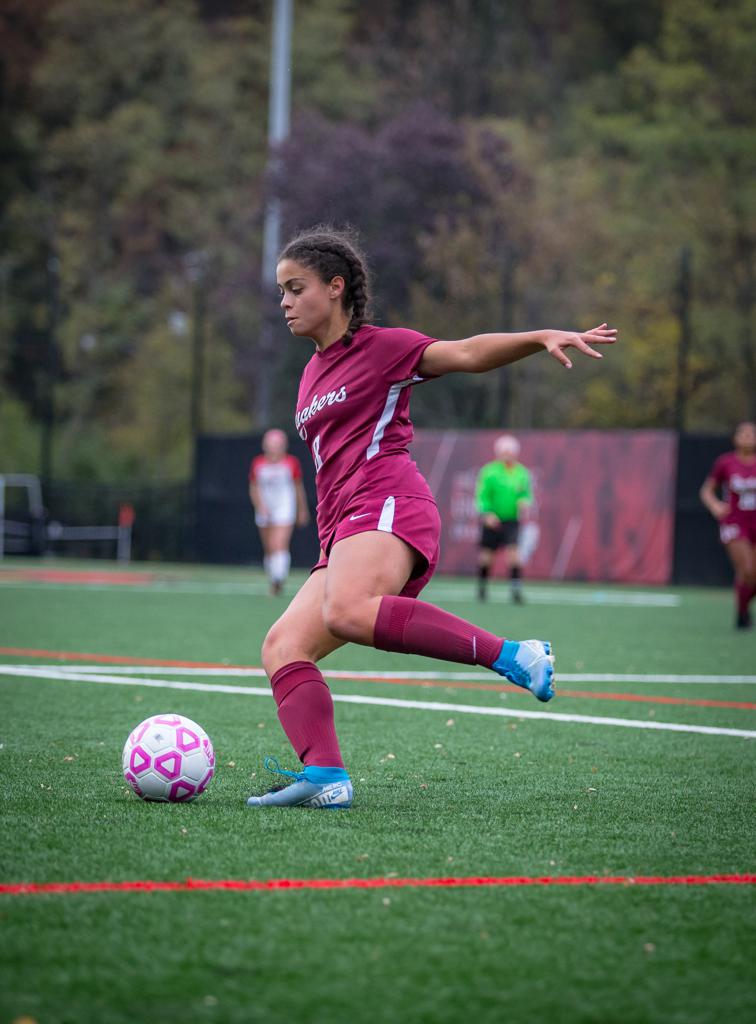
{"x": 386, "y": 522}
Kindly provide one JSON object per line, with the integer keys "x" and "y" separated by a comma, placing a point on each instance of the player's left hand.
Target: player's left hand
{"x": 555, "y": 342}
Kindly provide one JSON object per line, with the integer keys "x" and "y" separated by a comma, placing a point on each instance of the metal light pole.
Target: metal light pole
{"x": 278, "y": 131}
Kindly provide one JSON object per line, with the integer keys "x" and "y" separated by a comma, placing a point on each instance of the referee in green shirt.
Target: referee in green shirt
{"x": 504, "y": 496}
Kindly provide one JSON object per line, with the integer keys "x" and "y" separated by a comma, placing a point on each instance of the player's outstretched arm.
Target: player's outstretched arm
{"x": 485, "y": 352}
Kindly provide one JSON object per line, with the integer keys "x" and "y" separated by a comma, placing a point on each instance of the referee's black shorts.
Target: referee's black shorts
{"x": 503, "y": 535}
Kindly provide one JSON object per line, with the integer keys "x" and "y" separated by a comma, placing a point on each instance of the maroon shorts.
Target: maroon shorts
{"x": 414, "y": 520}
{"x": 738, "y": 527}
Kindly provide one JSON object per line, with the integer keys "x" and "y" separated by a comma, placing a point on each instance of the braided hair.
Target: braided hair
{"x": 335, "y": 253}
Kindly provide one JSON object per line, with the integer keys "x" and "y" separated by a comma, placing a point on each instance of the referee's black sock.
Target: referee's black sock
{"x": 483, "y": 571}
{"x": 515, "y": 575}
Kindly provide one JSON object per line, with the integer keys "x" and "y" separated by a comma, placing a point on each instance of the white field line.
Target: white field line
{"x": 534, "y": 595}
{"x": 481, "y": 677}
{"x": 559, "y": 595}
{"x": 50, "y": 673}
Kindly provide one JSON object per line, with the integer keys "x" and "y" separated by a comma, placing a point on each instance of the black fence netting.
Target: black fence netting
{"x": 224, "y": 520}
{"x": 699, "y": 557}
{"x": 162, "y": 518}
{"x": 211, "y": 519}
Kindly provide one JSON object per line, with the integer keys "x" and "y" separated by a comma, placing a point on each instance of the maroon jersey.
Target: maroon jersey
{"x": 738, "y": 482}
{"x": 353, "y": 413}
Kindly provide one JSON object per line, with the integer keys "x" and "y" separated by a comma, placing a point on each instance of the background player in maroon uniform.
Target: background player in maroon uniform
{"x": 734, "y": 476}
{"x": 278, "y": 498}
{"x": 377, "y": 520}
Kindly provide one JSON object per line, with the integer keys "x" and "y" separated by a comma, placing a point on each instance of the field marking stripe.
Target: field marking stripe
{"x": 389, "y": 702}
{"x": 257, "y": 588}
{"x": 272, "y": 884}
{"x": 390, "y": 680}
{"x": 115, "y": 659}
{"x": 254, "y": 670}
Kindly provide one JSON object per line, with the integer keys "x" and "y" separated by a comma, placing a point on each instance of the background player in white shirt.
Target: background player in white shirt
{"x": 278, "y": 497}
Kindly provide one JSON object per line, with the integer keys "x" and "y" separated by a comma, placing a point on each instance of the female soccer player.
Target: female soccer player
{"x": 735, "y": 473}
{"x": 377, "y": 520}
{"x": 278, "y": 497}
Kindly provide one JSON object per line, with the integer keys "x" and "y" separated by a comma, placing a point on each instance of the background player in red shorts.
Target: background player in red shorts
{"x": 377, "y": 521}
{"x": 278, "y": 497}
{"x": 734, "y": 475}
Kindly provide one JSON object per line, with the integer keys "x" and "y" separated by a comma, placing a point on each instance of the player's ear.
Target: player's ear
{"x": 337, "y": 286}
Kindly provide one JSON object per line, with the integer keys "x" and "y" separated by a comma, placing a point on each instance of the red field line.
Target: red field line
{"x": 190, "y": 884}
{"x": 112, "y": 659}
{"x": 637, "y": 698}
{"x": 111, "y": 576}
{"x": 643, "y": 698}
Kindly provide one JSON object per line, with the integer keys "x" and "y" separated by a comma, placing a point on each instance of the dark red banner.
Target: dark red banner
{"x": 604, "y": 500}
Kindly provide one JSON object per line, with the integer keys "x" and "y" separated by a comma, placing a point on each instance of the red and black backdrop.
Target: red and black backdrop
{"x": 604, "y": 500}
{"x": 618, "y": 505}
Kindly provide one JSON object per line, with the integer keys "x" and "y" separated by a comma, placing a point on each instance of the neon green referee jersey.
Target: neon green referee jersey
{"x": 500, "y": 489}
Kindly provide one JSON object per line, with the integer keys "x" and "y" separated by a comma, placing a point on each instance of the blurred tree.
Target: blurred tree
{"x": 675, "y": 132}
{"x": 144, "y": 151}
{"x": 483, "y": 58}
{"x": 508, "y": 166}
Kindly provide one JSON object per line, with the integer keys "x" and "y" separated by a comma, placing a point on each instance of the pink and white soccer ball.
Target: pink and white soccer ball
{"x": 169, "y": 758}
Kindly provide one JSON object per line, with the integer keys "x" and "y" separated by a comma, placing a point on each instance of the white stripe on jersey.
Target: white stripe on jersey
{"x": 388, "y": 412}
{"x": 386, "y": 522}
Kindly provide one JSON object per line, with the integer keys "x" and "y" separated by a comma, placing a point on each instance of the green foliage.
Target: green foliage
{"x": 19, "y": 452}
{"x": 679, "y": 131}
{"x": 134, "y": 137}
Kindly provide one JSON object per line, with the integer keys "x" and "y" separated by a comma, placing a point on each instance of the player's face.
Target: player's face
{"x": 308, "y": 303}
{"x": 274, "y": 444}
{"x": 507, "y": 453}
{"x": 745, "y": 437}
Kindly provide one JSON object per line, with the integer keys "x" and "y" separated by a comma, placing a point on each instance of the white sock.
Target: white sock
{"x": 279, "y": 566}
{"x": 266, "y": 566}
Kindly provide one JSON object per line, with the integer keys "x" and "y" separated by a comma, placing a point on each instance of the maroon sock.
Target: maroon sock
{"x": 305, "y": 711}
{"x": 743, "y": 595}
{"x": 414, "y": 627}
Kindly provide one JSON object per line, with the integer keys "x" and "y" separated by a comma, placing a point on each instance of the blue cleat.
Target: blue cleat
{"x": 329, "y": 788}
{"x": 529, "y": 664}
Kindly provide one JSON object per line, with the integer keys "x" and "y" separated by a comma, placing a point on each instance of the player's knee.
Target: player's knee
{"x": 347, "y": 619}
{"x": 277, "y": 649}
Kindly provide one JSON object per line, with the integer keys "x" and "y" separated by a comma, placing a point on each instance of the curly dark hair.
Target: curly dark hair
{"x": 333, "y": 252}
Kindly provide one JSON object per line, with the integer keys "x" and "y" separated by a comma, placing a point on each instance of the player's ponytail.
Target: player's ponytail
{"x": 331, "y": 253}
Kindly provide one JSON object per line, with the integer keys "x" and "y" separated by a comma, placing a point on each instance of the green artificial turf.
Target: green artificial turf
{"x": 437, "y": 794}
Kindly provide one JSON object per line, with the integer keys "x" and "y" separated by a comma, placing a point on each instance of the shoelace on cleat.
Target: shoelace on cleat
{"x": 272, "y": 765}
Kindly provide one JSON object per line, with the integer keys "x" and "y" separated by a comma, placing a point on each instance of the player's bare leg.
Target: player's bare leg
{"x": 742, "y": 555}
{"x": 276, "y": 540}
{"x": 299, "y": 639}
{"x": 290, "y": 651}
{"x": 356, "y": 610}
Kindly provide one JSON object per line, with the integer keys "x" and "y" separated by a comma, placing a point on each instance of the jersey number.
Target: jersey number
{"x": 316, "y": 453}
